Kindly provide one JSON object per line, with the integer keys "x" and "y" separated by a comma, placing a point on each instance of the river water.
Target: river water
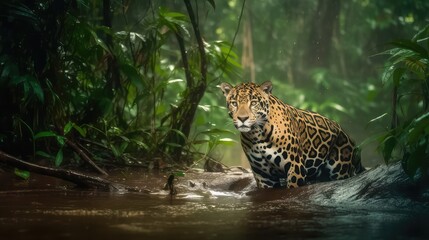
{"x": 48, "y": 209}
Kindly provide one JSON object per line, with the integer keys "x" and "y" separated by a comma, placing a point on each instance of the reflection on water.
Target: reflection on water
{"x": 201, "y": 213}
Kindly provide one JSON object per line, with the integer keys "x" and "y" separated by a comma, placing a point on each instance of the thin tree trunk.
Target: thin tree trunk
{"x": 324, "y": 22}
{"x": 247, "y": 60}
{"x": 183, "y": 116}
{"x": 112, "y": 74}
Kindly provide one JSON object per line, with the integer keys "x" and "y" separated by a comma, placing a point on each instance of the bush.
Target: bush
{"x": 407, "y": 73}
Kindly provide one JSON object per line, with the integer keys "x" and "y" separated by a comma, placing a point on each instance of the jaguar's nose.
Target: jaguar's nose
{"x": 243, "y": 119}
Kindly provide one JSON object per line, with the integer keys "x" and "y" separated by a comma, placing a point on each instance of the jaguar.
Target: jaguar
{"x": 287, "y": 146}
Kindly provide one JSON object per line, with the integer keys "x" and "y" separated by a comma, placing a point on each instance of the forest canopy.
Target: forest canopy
{"x": 135, "y": 82}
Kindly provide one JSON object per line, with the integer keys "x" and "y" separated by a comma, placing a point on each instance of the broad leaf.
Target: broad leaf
{"x": 45, "y": 134}
{"x": 411, "y": 45}
{"x": 413, "y": 160}
{"x": 68, "y": 127}
{"x": 22, "y": 173}
{"x": 133, "y": 76}
{"x": 59, "y": 158}
{"x": 388, "y": 145}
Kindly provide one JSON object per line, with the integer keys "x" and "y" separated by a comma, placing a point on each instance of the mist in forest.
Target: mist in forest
{"x": 324, "y": 56}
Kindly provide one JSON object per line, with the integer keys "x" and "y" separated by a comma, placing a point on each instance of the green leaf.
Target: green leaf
{"x": 140, "y": 144}
{"x": 59, "y": 158}
{"x": 218, "y": 131}
{"x": 164, "y": 12}
{"x": 61, "y": 140}
{"x": 411, "y": 45}
{"x": 180, "y": 134}
{"x": 227, "y": 141}
{"x": 178, "y": 80}
{"x": 337, "y": 107}
{"x": 123, "y": 146}
{"x": 205, "y": 108}
{"x": 98, "y": 40}
{"x": 179, "y": 174}
{"x": 36, "y": 88}
{"x": 24, "y": 13}
{"x": 116, "y": 152}
{"x": 68, "y": 127}
{"x": 44, "y": 154}
{"x": 174, "y": 145}
{"x": 413, "y": 160}
{"x": 80, "y": 130}
{"x": 388, "y": 145}
{"x": 124, "y": 138}
{"x": 377, "y": 118}
{"x": 423, "y": 117}
{"x": 417, "y": 129}
{"x": 416, "y": 66}
{"x": 133, "y": 76}
{"x": 197, "y": 142}
{"x": 387, "y": 74}
{"x": 45, "y": 134}
{"x": 22, "y": 173}
{"x": 422, "y": 34}
{"x": 174, "y": 21}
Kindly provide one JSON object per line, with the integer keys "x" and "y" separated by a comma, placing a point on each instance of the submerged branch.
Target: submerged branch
{"x": 77, "y": 178}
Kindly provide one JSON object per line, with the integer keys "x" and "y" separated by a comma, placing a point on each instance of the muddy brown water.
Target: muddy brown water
{"x": 208, "y": 206}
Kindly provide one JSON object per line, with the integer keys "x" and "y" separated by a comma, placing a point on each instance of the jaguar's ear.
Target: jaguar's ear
{"x": 226, "y": 87}
{"x": 266, "y": 87}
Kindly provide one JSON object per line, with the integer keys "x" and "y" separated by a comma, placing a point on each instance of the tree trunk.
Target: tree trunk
{"x": 325, "y": 20}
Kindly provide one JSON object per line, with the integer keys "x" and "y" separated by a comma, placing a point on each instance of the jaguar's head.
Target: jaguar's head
{"x": 248, "y": 104}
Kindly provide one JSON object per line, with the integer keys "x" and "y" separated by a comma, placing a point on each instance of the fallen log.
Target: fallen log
{"x": 80, "y": 179}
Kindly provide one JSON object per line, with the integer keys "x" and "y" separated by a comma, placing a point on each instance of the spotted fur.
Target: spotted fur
{"x": 287, "y": 146}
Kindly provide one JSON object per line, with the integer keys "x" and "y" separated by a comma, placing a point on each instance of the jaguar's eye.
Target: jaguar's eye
{"x": 234, "y": 104}
{"x": 253, "y": 103}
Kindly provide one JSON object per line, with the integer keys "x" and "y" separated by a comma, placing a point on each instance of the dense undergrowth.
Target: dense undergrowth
{"x": 124, "y": 92}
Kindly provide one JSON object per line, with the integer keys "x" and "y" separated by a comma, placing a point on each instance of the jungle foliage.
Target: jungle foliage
{"x": 119, "y": 90}
{"x": 407, "y": 74}
{"x": 134, "y": 82}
